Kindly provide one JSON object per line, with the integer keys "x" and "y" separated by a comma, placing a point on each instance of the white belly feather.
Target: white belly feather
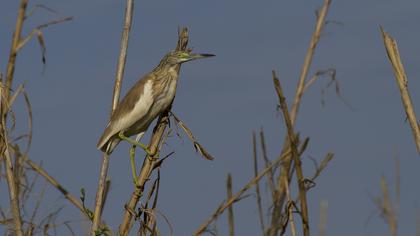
{"x": 141, "y": 108}
{"x": 157, "y": 105}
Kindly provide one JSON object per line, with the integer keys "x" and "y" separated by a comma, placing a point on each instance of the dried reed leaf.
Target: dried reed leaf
{"x": 157, "y": 191}
{"x": 30, "y": 121}
{"x": 153, "y": 213}
{"x": 38, "y": 32}
{"x": 159, "y": 162}
{"x": 41, "y": 41}
{"x": 402, "y": 81}
{"x": 198, "y": 147}
{"x": 67, "y": 224}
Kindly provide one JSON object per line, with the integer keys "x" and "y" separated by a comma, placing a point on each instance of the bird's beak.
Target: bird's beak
{"x": 194, "y": 56}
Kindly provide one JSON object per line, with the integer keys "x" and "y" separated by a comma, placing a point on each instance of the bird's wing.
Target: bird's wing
{"x": 134, "y": 106}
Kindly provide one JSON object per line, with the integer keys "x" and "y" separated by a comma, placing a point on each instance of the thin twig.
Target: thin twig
{"x": 230, "y": 209}
{"x": 257, "y": 186}
{"x": 401, "y": 77}
{"x": 322, "y": 166}
{"x": 270, "y": 176}
{"x": 100, "y": 194}
{"x": 39, "y": 6}
{"x": 37, "y": 205}
{"x": 37, "y": 31}
{"x": 295, "y": 156}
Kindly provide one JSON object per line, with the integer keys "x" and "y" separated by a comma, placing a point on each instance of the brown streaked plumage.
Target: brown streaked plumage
{"x": 146, "y": 100}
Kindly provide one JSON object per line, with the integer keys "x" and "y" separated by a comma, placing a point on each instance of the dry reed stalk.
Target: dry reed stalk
{"x": 257, "y": 186}
{"x": 308, "y": 59}
{"x": 100, "y": 194}
{"x": 290, "y": 210}
{"x": 150, "y": 163}
{"x": 11, "y": 181}
{"x": 401, "y": 77}
{"x": 267, "y": 163}
{"x": 238, "y": 195}
{"x": 13, "y": 193}
{"x": 15, "y": 44}
{"x": 230, "y": 209}
{"x": 284, "y": 172}
{"x": 295, "y": 156}
{"x": 322, "y": 226}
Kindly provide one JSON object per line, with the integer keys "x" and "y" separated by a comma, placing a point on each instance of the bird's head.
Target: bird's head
{"x": 178, "y": 57}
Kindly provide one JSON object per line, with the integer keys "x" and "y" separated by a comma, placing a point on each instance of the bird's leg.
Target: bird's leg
{"x": 132, "y": 159}
{"x": 137, "y": 144}
{"x": 133, "y": 164}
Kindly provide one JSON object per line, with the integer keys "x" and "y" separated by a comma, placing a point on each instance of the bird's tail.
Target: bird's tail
{"x": 109, "y": 146}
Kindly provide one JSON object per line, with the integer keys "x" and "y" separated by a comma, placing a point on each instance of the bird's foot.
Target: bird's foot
{"x": 137, "y": 144}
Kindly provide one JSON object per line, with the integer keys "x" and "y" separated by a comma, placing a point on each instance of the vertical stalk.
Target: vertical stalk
{"x": 11, "y": 182}
{"x": 295, "y": 156}
{"x": 230, "y": 209}
{"x": 13, "y": 193}
{"x": 308, "y": 59}
{"x": 257, "y": 185}
{"x": 100, "y": 194}
{"x": 15, "y": 43}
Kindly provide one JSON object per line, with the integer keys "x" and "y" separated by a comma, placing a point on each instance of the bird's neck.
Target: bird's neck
{"x": 166, "y": 70}
{"x": 164, "y": 66}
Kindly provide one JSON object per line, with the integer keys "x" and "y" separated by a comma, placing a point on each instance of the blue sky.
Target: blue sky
{"x": 224, "y": 99}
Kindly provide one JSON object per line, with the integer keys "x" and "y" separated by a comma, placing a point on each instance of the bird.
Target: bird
{"x": 150, "y": 96}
